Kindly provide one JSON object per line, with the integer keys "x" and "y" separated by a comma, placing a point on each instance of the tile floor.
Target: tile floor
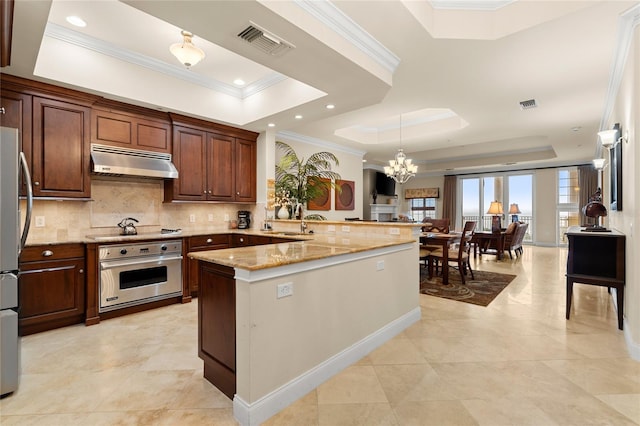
{"x": 516, "y": 362}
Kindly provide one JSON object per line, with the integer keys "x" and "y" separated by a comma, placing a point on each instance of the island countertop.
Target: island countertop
{"x": 254, "y": 258}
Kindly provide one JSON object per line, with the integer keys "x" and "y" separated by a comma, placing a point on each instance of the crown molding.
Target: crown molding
{"x": 327, "y": 13}
{"x": 76, "y": 38}
{"x": 627, "y": 23}
{"x": 487, "y": 5}
{"x": 296, "y": 137}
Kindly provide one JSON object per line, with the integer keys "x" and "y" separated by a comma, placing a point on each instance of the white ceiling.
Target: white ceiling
{"x": 452, "y": 72}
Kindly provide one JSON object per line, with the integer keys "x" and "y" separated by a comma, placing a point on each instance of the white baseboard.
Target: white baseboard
{"x": 272, "y": 403}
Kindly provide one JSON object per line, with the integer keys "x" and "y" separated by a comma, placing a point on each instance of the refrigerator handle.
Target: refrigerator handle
{"x": 27, "y": 179}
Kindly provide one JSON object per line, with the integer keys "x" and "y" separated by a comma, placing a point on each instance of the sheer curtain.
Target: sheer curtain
{"x": 449, "y": 199}
{"x": 588, "y": 183}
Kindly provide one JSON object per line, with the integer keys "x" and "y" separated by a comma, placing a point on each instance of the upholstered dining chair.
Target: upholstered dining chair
{"x": 459, "y": 255}
{"x": 433, "y": 225}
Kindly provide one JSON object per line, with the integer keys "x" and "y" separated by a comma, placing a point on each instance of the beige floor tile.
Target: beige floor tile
{"x": 601, "y": 376}
{"x": 433, "y": 413}
{"x": 355, "y": 384}
{"x": 379, "y": 414}
{"x": 199, "y": 393}
{"x": 417, "y": 382}
{"x": 399, "y": 350}
{"x": 581, "y": 410}
{"x": 507, "y": 411}
{"x": 627, "y": 405}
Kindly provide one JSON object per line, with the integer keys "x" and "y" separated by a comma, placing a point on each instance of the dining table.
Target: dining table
{"x": 445, "y": 241}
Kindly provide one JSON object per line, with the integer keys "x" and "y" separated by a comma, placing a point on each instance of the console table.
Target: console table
{"x": 596, "y": 258}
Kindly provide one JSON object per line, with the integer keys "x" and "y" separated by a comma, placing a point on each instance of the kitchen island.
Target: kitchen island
{"x": 277, "y": 320}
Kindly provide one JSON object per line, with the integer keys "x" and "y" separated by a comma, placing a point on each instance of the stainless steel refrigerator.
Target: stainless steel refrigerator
{"x": 12, "y": 240}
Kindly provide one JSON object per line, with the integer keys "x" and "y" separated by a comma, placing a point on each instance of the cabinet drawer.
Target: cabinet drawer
{"x": 51, "y": 252}
{"x": 204, "y": 241}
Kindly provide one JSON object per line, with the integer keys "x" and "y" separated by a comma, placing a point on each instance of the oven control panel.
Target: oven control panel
{"x": 153, "y": 248}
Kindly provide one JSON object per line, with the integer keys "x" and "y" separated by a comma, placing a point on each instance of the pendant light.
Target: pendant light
{"x": 186, "y": 52}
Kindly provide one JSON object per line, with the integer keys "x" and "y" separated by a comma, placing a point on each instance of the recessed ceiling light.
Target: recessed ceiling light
{"x": 77, "y": 21}
{"x": 364, "y": 160}
{"x": 575, "y": 129}
{"x": 271, "y": 125}
{"x": 298, "y": 117}
{"x": 239, "y": 82}
{"x": 330, "y": 106}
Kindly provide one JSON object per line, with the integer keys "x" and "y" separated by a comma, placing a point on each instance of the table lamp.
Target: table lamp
{"x": 514, "y": 211}
{"x": 495, "y": 209}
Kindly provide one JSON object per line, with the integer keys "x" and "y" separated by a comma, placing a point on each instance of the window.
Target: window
{"x": 567, "y": 208}
{"x": 422, "y": 208}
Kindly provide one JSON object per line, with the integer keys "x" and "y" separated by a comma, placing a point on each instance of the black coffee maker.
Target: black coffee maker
{"x": 244, "y": 219}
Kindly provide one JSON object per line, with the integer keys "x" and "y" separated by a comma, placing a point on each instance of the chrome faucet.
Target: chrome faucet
{"x": 303, "y": 224}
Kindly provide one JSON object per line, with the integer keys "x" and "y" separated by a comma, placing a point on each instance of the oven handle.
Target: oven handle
{"x": 119, "y": 263}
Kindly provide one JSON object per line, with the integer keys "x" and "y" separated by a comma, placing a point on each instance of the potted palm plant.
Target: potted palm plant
{"x": 303, "y": 179}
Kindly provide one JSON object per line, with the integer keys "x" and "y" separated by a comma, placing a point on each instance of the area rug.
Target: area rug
{"x": 480, "y": 291}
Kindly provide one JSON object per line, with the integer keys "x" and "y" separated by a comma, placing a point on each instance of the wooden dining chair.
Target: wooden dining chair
{"x": 459, "y": 255}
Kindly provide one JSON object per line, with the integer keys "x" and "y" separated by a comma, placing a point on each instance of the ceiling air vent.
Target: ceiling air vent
{"x": 265, "y": 41}
{"x": 531, "y": 103}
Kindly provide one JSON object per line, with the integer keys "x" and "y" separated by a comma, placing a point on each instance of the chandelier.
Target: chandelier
{"x": 401, "y": 168}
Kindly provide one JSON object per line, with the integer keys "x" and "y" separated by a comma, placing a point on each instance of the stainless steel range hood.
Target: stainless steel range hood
{"x": 116, "y": 161}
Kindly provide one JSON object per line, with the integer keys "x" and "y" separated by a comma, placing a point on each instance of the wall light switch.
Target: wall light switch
{"x": 284, "y": 290}
{"x": 346, "y": 228}
{"x": 380, "y": 265}
{"x": 331, "y": 228}
{"x": 394, "y": 231}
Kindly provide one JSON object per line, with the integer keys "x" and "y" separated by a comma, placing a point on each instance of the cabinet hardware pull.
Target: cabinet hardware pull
{"x": 36, "y": 183}
{"x": 47, "y": 253}
{"x": 209, "y": 192}
{"x": 209, "y": 240}
{"x": 81, "y": 271}
{"x": 2, "y": 111}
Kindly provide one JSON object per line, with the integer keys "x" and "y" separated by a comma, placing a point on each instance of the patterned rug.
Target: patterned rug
{"x": 479, "y": 291}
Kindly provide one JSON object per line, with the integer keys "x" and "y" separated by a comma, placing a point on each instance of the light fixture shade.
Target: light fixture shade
{"x": 598, "y": 163}
{"x": 495, "y": 208}
{"x": 608, "y": 137}
{"x": 186, "y": 52}
{"x": 514, "y": 209}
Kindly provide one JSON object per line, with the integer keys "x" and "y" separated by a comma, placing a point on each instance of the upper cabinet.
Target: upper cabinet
{"x": 126, "y": 126}
{"x": 54, "y": 124}
{"x": 215, "y": 163}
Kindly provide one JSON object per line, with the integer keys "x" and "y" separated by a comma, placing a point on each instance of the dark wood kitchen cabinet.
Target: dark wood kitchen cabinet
{"x": 215, "y": 163}
{"x": 55, "y": 127}
{"x": 51, "y": 287}
{"x": 60, "y": 163}
{"x": 217, "y": 325}
{"x": 126, "y": 126}
{"x": 202, "y": 243}
{"x": 15, "y": 112}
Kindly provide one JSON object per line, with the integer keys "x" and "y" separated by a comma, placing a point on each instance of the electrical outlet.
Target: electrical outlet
{"x": 331, "y": 228}
{"x": 210, "y": 217}
{"x": 284, "y": 290}
{"x": 394, "y": 231}
{"x": 380, "y": 265}
{"x": 226, "y": 218}
{"x": 192, "y": 218}
{"x": 346, "y": 228}
{"x": 39, "y": 221}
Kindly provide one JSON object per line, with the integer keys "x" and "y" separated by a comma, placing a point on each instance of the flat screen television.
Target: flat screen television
{"x": 385, "y": 185}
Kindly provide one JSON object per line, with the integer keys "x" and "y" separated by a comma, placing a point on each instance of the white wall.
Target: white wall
{"x": 627, "y": 112}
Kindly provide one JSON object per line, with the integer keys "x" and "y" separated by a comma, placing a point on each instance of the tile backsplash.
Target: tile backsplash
{"x": 114, "y": 199}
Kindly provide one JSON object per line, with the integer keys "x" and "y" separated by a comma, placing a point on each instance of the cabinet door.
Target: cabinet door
{"x": 130, "y": 131}
{"x": 60, "y": 149}
{"x": 245, "y": 171}
{"x": 50, "y": 295}
{"x": 221, "y": 179}
{"x": 16, "y": 113}
{"x": 189, "y": 156}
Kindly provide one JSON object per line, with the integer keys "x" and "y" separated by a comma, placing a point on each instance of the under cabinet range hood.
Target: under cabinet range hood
{"x": 116, "y": 161}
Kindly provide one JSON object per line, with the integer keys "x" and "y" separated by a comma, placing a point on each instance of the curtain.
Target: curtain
{"x": 449, "y": 199}
{"x": 588, "y": 183}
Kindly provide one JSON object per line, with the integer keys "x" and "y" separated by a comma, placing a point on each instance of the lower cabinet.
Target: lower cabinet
{"x": 51, "y": 287}
{"x": 202, "y": 243}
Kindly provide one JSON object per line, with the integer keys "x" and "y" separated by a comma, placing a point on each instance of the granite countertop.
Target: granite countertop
{"x": 321, "y": 246}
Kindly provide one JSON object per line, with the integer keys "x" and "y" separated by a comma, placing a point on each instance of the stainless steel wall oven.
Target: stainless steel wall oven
{"x": 131, "y": 274}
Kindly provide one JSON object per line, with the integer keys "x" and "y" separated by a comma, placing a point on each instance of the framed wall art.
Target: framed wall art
{"x": 323, "y": 201}
{"x": 345, "y": 195}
